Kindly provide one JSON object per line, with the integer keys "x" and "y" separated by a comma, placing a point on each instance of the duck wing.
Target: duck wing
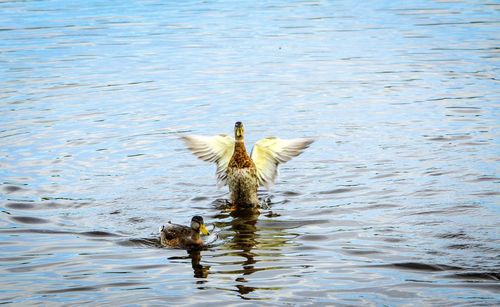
{"x": 217, "y": 149}
{"x": 268, "y": 153}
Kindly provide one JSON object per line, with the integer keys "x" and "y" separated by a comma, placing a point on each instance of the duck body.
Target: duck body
{"x": 180, "y": 236}
{"x": 173, "y": 235}
{"x": 242, "y": 178}
{"x": 241, "y": 172}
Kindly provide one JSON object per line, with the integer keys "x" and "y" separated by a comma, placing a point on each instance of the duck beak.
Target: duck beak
{"x": 239, "y": 132}
{"x": 204, "y": 230}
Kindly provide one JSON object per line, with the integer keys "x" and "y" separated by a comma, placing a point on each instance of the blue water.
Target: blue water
{"x": 395, "y": 203}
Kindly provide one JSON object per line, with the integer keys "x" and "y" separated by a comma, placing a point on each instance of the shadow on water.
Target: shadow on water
{"x": 199, "y": 270}
{"x": 244, "y": 238}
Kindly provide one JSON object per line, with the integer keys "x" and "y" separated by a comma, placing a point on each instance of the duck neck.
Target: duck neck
{"x": 240, "y": 158}
{"x": 195, "y": 235}
{"x": 239, "y": 147}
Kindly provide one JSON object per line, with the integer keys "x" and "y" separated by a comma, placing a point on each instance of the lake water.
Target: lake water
{"x": 397, "y": 201}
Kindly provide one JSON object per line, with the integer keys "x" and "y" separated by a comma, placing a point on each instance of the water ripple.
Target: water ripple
{"x": 396, "y": 200}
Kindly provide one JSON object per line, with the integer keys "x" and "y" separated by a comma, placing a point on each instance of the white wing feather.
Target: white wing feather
{"x": 269, "y": 152}
{"x": 217, "y": 149}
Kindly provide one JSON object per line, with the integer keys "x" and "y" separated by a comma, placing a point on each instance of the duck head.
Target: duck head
{"x": 238, "y": 131}
{"x": 198, "y": 225}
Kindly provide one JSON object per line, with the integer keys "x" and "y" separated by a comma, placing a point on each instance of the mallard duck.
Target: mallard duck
{"x": 241, "y": 172}
{"x": 180, "y": 236}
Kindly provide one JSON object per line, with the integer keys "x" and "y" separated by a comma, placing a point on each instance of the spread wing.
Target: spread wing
{"x": 217, "y": 149}
{"x": 269, "y": 152}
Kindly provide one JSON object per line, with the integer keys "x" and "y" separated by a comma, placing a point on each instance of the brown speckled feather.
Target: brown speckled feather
{"x": 242, "y": 178}
{"x": 240, "y": 157}
{"x": 173, "y": 235}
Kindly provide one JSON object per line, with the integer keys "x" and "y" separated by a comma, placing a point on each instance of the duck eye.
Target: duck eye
{"x": 195, "y": 225}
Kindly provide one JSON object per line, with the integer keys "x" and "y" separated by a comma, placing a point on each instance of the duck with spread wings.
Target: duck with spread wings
{"x": 244, "y": 173}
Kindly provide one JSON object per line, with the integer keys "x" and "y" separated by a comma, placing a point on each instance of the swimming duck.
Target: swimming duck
{"x": 244, "y": 173}
{"x": 180, "y": 236}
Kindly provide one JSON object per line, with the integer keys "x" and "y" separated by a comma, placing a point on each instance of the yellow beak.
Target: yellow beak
{"x": 204, "y": 230}
{"x": 239, "y": 132}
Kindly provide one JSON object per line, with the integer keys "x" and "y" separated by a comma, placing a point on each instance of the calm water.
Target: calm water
{"x": 395, "y": 203}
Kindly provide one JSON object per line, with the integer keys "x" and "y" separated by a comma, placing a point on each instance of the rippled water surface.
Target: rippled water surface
{"x": 395, "y": 203}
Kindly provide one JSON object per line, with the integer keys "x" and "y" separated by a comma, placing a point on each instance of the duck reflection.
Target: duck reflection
{"x": 199, "y": 270}
{"x": 244, "y": 240}
{"x": 247, "y": 239}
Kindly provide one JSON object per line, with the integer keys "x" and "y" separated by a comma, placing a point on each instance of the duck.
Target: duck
{"x": 241, "y": 172}
{"x": 180, "y": 236}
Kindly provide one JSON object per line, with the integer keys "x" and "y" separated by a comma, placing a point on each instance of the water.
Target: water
{"x": 395, "y": 203}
